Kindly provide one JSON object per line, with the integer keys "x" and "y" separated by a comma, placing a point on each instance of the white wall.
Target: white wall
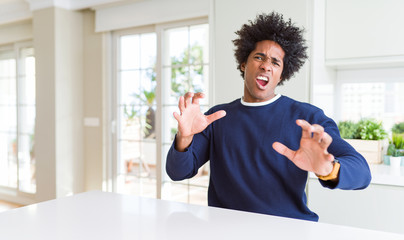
{"x": 93, "y": 102}
{"x": 59, "y": 76}
{"x": 228, "y": 17}
{"x": 69, "y": 100}
{"x": 149, "y": 12}
{"x": 16, "y": 32}
{"x": 323, "y": 78}
{"x": 45, "y": 139}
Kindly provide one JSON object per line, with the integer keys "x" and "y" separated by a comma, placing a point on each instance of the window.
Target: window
{"x": 136, "y": 108}
{"x": 184, "y": 68}
{"x": 17, "y": 122}
{"x": 370, "y": 93}
{"x": 156, "y": 65}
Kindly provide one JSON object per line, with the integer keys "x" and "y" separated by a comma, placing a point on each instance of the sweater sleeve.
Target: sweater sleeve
{"x": 184, "y": 165}
{"x": 354, "y": 172}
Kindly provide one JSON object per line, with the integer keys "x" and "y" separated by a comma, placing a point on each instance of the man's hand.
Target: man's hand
{"x": 312, "y": 154}
{"x": 191, "y": 120}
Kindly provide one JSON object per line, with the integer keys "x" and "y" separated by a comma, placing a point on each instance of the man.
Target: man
{"x": 249, "y": 146}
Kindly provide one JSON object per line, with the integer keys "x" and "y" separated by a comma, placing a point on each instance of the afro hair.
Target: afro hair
{"x": 272, "y": 27}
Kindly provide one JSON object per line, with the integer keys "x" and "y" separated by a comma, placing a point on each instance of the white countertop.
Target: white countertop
{"x": 384, "y": 175}
{"x": 387, "y": 175}
{"x": 100, "y": 215}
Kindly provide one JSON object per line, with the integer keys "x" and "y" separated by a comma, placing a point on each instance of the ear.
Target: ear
{"x": 280, "y": 80}
{"x": 242, "y": 66}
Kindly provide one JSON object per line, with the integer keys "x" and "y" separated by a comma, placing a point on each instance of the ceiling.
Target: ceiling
{"x": 17, "y": 10}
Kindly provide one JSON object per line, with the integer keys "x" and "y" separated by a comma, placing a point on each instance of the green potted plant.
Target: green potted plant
{"x": 398, "y": 128}
{"x": 348, "y": 129}
{"x": 396, "y": 149}
{"x": 367, "y": 136}
{"x": 370, "y": 129}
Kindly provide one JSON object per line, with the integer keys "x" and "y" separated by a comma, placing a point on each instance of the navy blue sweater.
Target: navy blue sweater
{"x": 247, "y": 174}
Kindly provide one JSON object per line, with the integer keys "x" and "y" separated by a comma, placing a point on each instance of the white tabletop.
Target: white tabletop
{"x": 100, "y": 215}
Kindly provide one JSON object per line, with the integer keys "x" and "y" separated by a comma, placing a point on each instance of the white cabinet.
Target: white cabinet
{"x": 364, "y": 32}
{"x": 378, "y": 207}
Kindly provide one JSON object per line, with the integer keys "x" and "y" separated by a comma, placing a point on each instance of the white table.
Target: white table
{"x": 100, "y": 215}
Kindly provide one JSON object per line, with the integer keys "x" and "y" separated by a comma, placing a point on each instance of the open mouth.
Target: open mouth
{"x": 263, "y": 81}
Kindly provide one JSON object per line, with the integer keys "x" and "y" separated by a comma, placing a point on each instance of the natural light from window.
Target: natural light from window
{"x": 184, "y": 67}
{"x": 17, "y": 122}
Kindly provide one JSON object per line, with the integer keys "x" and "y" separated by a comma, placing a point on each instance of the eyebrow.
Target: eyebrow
{"x": 273, "y": 58}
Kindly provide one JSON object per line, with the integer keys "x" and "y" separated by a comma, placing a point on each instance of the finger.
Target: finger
{"x": 197, "y": 96}
{"x": 285, "y": 151}
{"x": 326, "y": 140}
{"x": 318, "y": 131}
{"x": 181, "y": 104}
{"x": 306, "y": 128}
{"x": 187, "y": 98}
{"x": 215, "y": 116}
{"x": 177, "y": 116}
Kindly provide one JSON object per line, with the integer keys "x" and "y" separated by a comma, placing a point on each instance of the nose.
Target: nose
{"x": 266, "y": 66}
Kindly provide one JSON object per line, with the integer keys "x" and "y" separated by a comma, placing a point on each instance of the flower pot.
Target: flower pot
{"x": 402, "y": 154}
{"x": 386, "y": 160}
{"x": 395, "y": 162}
{"x": 371, "y": 150}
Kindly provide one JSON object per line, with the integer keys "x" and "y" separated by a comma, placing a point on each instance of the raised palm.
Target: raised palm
{"x": 312, "y": 154}
{"x": 191, "y": 120}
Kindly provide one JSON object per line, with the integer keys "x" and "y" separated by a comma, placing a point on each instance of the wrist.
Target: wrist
{"x": 182, "y": 143}
{"x": 328, "y": 170}
{"x": 333, "y": 175}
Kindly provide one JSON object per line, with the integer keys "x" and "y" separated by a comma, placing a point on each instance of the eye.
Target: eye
{"x": 276, "y": 63}
{"x": 258, "y": 57}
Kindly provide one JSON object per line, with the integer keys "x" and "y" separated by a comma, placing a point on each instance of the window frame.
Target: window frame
{"x": 112, "y": 158}
{"x": 160, "y": 30}
{"x": 114, "y": 98}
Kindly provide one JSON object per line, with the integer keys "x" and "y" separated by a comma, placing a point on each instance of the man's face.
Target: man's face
{"x": 262, "y": 71}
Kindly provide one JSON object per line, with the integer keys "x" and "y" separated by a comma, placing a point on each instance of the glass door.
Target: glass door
{"x": 17, "y": 122}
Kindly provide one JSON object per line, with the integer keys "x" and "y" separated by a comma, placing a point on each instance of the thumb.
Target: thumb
{"x": 215, "y": 116}
{"x": 282, "y": 149}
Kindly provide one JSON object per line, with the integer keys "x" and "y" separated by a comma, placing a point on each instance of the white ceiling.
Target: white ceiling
{"x": 17, "y": 10}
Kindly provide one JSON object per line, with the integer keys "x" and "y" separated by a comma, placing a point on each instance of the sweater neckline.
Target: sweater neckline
{"x": 258, "y": 104}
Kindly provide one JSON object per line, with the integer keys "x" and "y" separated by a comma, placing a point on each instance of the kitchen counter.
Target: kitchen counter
{"x": 379, "y": 206}
{"x": 383, "y": 175}
{"x": 386, "y": 175}
{"x": 102, "y": 216}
